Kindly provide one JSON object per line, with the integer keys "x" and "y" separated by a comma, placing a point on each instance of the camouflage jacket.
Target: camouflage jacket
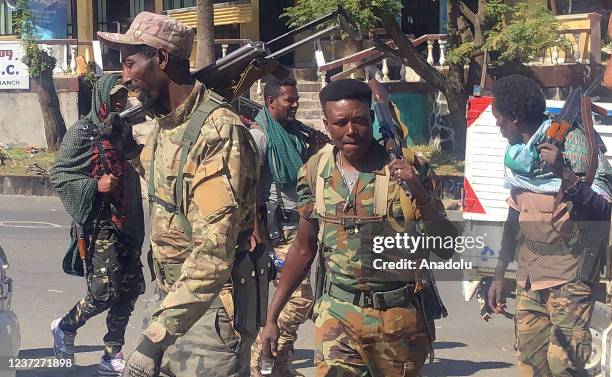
{"x": 220, "y": 177}
{"x": 350, "y": 256}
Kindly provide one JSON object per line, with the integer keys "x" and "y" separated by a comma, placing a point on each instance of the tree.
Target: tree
{"x": 512, "y": 34}
{"x": 307, "y": 10}
{"x": 205, "y": 36}
{"x": 40, "y": 66}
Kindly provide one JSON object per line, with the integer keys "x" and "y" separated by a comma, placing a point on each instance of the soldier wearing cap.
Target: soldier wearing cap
{"x": 101, "y": 192}
{"x": 369, "y": 319}
{"x": 201, "y": 165}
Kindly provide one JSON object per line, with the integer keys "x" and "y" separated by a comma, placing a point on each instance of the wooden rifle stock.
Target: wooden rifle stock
{"x": 393, "y": 147}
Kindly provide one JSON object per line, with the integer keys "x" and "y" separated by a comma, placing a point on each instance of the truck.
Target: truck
{"x": 484, "y": 211}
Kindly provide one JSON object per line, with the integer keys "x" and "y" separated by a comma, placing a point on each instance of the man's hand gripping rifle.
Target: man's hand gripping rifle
{"x": 392, "y": 142}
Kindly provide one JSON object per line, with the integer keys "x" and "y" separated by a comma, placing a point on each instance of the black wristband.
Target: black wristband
{"x": 150, "y": 349}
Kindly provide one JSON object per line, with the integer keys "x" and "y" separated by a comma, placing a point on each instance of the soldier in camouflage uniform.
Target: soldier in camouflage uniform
{"x": 276, "y": 195}
{"x": 110, "y": 201}
{"x": 368, "y": 321}
{"x": 203, "y": 207}
{"x": 557, "y": 243}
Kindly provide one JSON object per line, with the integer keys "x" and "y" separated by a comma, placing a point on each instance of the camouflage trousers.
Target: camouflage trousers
{"x": 211, "y": 347}
{"x": 115, "y": 283}
{"x": 351, "y": 341}
{"x": 552, "y": 330}
{"x": 294, "y": 314}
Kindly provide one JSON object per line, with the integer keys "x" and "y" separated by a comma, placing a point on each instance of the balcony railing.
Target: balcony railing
{"x": 581, "y": 30}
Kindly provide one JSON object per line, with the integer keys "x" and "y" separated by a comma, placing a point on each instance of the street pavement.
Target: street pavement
{"x": 34, "y": 235}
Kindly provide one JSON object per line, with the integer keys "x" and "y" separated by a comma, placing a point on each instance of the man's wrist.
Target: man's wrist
{"x": 500, "y": 269}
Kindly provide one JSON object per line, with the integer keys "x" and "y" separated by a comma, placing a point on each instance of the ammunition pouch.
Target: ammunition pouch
{"x": 250, "y": 289}
{"x": 274, "y": 216}
{"x": 591, "y": 249}
{"x": 167, "y": 273}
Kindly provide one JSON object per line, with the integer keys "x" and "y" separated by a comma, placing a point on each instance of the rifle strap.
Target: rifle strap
{"x": 190, "y": 135}
{"x": 587, "y": 122}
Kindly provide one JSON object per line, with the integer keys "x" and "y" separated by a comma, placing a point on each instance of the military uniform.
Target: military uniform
{"x": 555, "y": 274}
{"x": 193, "y": 261}
{"x": 296, "y": 311}
{"x": 553, "y": 308}
{"x": 368, "y": 321}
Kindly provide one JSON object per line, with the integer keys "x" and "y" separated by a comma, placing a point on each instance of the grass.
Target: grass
{"x": 442, "y": 163}
{"x": 19, "y": 161}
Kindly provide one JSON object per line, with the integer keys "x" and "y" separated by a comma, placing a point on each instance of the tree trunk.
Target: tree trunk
{"x": 456, "y": 99}
{"x": 205, "y": 37}
{"x": 454, "y": 86}
{"x": 55, "y": 127}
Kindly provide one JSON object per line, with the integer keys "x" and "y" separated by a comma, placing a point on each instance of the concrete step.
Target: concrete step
{"x": 309, "y": 114}
{"x": 309, "y": 86}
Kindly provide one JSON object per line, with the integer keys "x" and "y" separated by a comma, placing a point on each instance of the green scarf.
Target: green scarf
{"x": 70, "y": 172}
{"x": 285, "y": 147}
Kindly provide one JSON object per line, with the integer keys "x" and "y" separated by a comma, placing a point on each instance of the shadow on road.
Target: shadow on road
{"x": 80, "y": 371}
{"x": 36, "y": 353}
{"x": 448, "y": 368}
{"x": 303, "y": 358}
{"x": 448, "y": 345}
{"x": 40, "y": 353}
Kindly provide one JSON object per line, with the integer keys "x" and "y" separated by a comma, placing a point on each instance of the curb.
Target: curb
{"x": 26, "y": 185}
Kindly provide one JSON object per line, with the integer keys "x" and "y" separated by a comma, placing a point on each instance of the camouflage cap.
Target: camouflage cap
{"x": 154, "y": 30}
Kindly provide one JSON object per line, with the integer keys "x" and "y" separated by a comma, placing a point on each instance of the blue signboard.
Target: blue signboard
{"x": 49, "y": 18}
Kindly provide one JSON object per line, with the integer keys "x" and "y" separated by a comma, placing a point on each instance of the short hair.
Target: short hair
{"x": 517, "y": 96}
{"x": 273, "y": 87}
{"x": 149, "y": 52}
{"x": 346, "y": 89}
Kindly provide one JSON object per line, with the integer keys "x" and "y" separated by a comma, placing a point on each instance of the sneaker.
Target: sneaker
{"x": 111, "y": 366}
{"x": 63, "y": 341}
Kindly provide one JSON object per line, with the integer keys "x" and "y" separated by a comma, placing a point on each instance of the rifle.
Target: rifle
{"x": 482, "y": 296}
{"x": 425, "y": 285}
{"x": 232, "y": 75}
{"x": 570, "y": 115}
{"x": 391, "y": 139}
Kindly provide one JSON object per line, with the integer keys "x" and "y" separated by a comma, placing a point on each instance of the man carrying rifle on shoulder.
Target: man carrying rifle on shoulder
{"x": 283, "y": 148}
{"x": 101, "y": 191}
{"x": 368, "y": 321}
{"x": 557, "y": 226}
{"x": 201, "y": 167}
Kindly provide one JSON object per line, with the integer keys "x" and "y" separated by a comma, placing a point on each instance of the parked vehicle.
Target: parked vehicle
{"x": 9, "y": 326}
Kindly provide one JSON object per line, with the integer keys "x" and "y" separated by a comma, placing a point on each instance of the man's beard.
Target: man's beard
{"x": 147, "y": 100}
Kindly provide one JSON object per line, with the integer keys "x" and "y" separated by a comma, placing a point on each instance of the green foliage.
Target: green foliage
{"x": 37, "y": 60}
{"x": 362, "y": 11}
{"x": 513, "y": 33}
{"x": 461, "y": 54}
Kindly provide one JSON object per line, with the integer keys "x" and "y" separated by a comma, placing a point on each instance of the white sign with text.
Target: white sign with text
{"x": 13, "y": 73}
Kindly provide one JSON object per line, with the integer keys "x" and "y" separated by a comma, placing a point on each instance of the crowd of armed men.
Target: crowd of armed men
{"x": 225, "y": 197}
